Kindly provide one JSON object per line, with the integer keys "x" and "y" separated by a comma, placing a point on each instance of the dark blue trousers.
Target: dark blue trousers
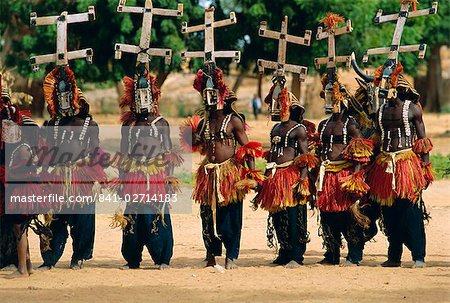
{"x": 82, "y": 232}
{"x": 228, "y": 226}
{"x": 151, "y": 231}
{"x": 292, "y": 233}
{"x": 8, "y": 247}
{"x": 335, "y": 224}
{"x": 403, "y": 222}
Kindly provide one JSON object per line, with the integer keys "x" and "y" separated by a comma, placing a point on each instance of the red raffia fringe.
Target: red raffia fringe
{"x": 355, "y": 184}
{"x": 50, "y": 93}
{"x": 359, "y": 150}
{"x": 252, "y": 174}
{"x": 422, "y": 146}
{"x": 252, "y": 149}
{"x": 283, "y": 99}
{"x": 187, "y": 129}
{"x": 428, "y": 172}
{"x": 333, "y": 198}
{"x": 230, "y": 174}
{"x": 331, "y": 20}
{"x": 128, "y": 118}
{"x": 285, "y": 105}
{"x": 393, "y": 80}
{"x": 310, "y": 127}
{"x": 278, "y": 192}
{"x": 173, "y": 157}
{"x": 127, "y": 99}
{"x": 218, "y": 80}
{"x": 338, "y": 96}
{"x": 409, "y": 178}
{"x": 306, "y": 159}
{"x": 135, "y": 183}
{"x": 412, "y": 2}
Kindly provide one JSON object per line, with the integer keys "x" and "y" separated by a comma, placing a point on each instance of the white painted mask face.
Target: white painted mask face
{"x": 279, "y": 81}
{"x": 211, "y": 94}
{"x": 143, "y": 99}
{"x": 65, "y": 98}
{"x": 329, "y": 102}
{"x": 384, "y": 91}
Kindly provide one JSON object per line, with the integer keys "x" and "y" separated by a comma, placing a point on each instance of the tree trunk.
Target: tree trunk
{"x": 239, "y": 80}
{"x": 259, "y": 92}
{"x": 119, "y": 89}
{"x": 161, "y": 78}
{"x": 433, "y": 94}
{"x": 7, "y": 38}
{"x": 295, "y": 86}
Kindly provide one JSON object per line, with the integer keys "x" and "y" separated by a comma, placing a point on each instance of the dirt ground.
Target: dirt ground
{"x": 256, "y": 280}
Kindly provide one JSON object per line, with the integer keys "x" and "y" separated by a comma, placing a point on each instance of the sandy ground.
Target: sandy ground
{"x": 256, "y": 280}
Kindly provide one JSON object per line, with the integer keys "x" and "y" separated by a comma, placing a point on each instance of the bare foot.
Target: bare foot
{"x": 293, "y": 264}
{"x": 229, "y": 264}
{"x": 29, "y": 267}
{"x": 163, "y": 266}
{"x": 17, "y": 274}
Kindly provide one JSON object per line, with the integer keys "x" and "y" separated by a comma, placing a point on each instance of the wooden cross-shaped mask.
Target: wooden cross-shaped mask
{"x": 331, "y": 32}
{"x": 144, "y": 51}
{"x": 209, "y": 55}
{"x": 62, "y": 56}
{"x": 401, "y": 18}
{"x": 283, "y": 38}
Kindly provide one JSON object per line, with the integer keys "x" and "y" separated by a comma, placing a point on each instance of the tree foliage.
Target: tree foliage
{"x": 20, "y": 41}
{"x": 101, "y": 35}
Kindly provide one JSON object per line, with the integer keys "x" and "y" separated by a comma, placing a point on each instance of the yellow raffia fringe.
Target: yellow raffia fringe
{"x": 302, "y": 192}
{"x": 335, "y": 168}
{"x": 385, "y": 158}
{"x": 364, "y": 121}
{"x": 228, "y": 168}
{"x": 44, "y": 243}
{"x": 174, "y": 183}
{"x": 48, "y": 218}
{"x": 359, "y": 149}
{"x": 376, "y": 138}
{"x": 361, "y": 219}
{"x": 246, "y": 184}
{"x": 121, "y": 221}
{"x": 355, "y": 185}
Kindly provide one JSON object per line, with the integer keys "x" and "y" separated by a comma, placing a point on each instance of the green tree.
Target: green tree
{"x": 19, "y": 41}
{"x": 305, "y": 14}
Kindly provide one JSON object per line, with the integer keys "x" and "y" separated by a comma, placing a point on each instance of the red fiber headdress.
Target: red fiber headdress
{"x": 50, "y": 89}
{"x": 218, "y": 81}
{"x": 393, "y": 80}
{"x": 127, "y": 99}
